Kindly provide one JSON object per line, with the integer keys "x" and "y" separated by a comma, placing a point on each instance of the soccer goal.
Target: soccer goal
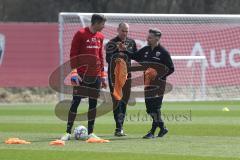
{"x": 204, "y": 48}
{"x": 2, "y": 46}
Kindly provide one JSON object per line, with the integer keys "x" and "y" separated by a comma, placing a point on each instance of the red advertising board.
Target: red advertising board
{"x": 31, "y": 53}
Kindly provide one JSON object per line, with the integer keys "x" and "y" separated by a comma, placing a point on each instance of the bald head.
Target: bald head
{"x": 123, "y": 25}
{"x": 123, "y": 29}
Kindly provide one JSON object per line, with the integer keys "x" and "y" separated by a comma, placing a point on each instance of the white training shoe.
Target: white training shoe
{"x": 92, "y": 135}
{"x": 66, "y": 137}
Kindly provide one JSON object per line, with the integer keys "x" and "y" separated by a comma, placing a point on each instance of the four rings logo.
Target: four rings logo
{"x": 2, "y": 46}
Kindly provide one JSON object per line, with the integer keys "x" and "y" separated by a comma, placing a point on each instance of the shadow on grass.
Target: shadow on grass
{"x": 125, "y": 138}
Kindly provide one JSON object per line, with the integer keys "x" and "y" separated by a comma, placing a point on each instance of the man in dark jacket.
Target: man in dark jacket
{"x": 155, "y": 53}
{"x": 112, "y": 53}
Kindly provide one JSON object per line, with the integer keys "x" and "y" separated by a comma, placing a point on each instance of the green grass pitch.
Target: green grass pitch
{"x": 197, "y": 131}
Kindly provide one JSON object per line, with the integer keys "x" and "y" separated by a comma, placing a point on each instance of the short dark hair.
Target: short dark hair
{"x": 156, "y": 32}
{"x": 98, "y": 18}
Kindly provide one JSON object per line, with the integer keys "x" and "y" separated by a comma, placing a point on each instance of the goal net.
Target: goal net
{"x": 204, "y": 48}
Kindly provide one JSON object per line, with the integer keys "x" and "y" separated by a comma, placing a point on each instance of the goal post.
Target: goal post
{"x": 195, "y": 93}
{"x": 204, "y": 48}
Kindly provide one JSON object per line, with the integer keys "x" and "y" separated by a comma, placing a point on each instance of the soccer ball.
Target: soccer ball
{"x": 80, "y": 133}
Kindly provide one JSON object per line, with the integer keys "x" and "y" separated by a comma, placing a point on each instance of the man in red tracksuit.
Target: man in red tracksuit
{"x": 86, "y": 59}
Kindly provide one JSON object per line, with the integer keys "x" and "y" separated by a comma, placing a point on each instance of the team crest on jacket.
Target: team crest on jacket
{"x": 158, "y": 54}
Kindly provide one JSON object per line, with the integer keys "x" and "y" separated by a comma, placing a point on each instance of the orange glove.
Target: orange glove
{"x": 75, "y": 78}
{"x": 149, "y": 75}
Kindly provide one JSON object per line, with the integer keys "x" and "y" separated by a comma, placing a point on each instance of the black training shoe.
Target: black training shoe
{"x": 162, "y": 132}
{"x": 119, "y": 133}
{"x": 149, "y": 135}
